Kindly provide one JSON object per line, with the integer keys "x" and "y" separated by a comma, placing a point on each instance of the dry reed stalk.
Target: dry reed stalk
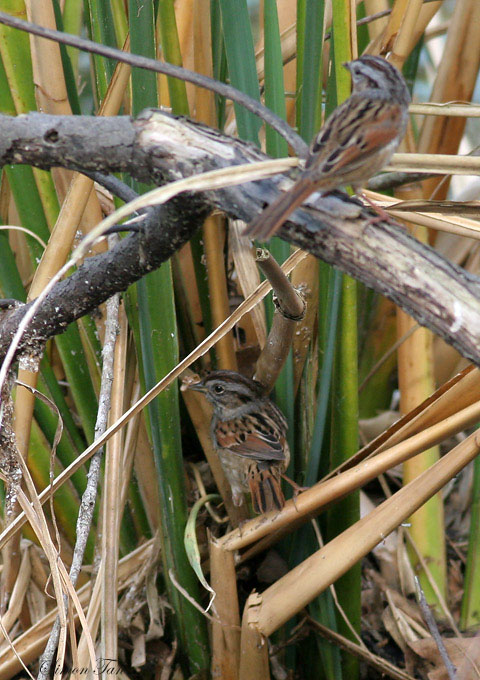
{"x": 254, "y": 647}
{"x": 19, "y": 591}
{"x": 146, "y": 474}
{"x": 433, "y": 109}
{"x": 416, "y": 383}
{"x": 385, "y": 40}
{"x": 214, "y": 241}
{"x": 226, "y": 633}
{"x": 375, "y": 28}
{"x": 54, "y": 256}
{"x": 112, "y": 498}
{"x": 301, "y": 585}
{"x": 455, "y": 80}
{"x": 248, "y": 275}
{"x": 460, "y": 226}
{"x": 50, "y": 89}
{"x": 214, "y": 227}
{"x": 441, "y": 163}
{"x": 405, "y": 40}
{"x": 306, "y": 279}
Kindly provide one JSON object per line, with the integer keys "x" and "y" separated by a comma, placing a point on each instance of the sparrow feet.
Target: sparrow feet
{"x": 296, "y": 489}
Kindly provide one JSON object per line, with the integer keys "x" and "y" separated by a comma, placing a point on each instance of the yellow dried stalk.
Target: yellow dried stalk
{"x": 455, "y": 80}
{"x": 226, "y": 633}
{"x": 112, "y": 505}
{"x": 254, "y": 647}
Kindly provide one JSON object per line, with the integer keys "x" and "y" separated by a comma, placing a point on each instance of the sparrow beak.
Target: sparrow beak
{"x": 198, "y": 387}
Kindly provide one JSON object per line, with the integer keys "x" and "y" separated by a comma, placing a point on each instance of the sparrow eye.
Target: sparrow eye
{"x": 219, "y": 389}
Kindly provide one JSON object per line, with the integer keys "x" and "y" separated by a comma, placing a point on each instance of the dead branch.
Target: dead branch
{"x": 158, "y": 148}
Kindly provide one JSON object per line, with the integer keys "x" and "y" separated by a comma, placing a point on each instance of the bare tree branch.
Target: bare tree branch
{"x": 158, "y": 147}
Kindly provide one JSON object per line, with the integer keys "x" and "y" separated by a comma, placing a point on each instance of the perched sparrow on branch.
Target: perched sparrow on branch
{"x": 357, "y": 141}
{"x": 248, "y": 431}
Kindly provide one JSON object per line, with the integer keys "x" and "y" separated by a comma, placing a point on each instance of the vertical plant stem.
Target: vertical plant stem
{"x": 344, "y": 439}
{"x": 470, "y": 614}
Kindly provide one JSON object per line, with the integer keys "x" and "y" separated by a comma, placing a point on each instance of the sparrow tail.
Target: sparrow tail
{"x": 272, "y": 218}
{"x": 266, "y": 490}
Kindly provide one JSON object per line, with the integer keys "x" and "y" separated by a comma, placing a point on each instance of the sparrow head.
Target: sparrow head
{"x": 375, "y": 73}
{"x": 228, "y": 391}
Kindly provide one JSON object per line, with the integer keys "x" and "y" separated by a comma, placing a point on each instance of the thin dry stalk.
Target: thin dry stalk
{"x": 440, "y": 163}
{"x": 112, "y": 501}
{"x": 18, "y": 593}
{"x": 248, "y": 275}
{"x": 439, "y": 109}
{"x": 214, "y": 243}
{"x": 226, "y": 632}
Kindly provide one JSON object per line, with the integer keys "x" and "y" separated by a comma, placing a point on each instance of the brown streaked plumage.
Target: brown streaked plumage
{"x": 249, "y": 433}
{"x": 357, "y": 141}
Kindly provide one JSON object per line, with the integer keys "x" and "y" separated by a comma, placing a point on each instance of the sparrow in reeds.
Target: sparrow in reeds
{"x": 249, "y": 433}
{"x": 357, "y": 141}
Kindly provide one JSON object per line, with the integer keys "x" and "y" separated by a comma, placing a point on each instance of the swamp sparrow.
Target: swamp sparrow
{"x": 248, "y": 431}
{"x": 356, "y": 141}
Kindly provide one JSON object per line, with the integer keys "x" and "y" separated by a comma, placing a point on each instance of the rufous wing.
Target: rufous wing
{"x": 250, "y": 442}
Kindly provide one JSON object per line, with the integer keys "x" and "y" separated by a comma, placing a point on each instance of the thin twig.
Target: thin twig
{"x": 434, "y": 632}
{"x": 85, "y": 514}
